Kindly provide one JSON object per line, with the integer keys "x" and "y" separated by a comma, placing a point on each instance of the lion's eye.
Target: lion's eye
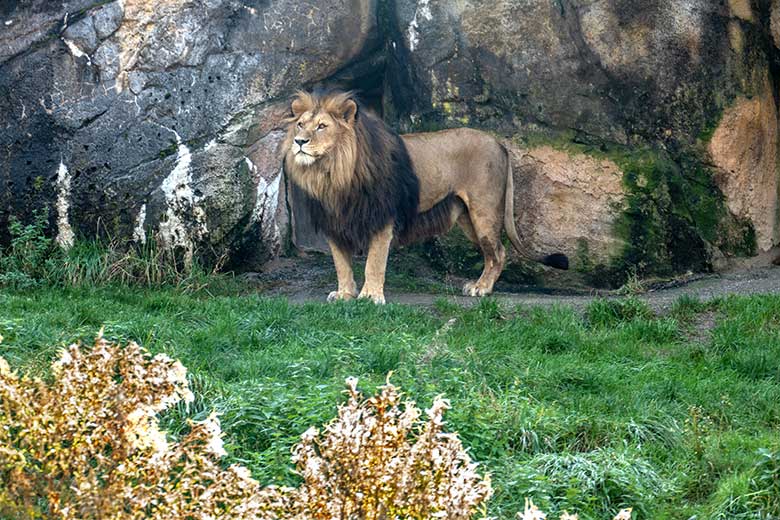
{"x": 321, "y": 126}
{"x": 300, "y": 125}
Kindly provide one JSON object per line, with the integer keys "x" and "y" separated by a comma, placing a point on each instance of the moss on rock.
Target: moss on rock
{"x": 674, "y": 216}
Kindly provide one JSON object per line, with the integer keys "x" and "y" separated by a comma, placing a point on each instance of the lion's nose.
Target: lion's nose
{"x": 301, "y": 142}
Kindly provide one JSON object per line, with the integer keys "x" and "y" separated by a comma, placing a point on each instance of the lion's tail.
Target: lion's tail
{"x": 556, "y": 260}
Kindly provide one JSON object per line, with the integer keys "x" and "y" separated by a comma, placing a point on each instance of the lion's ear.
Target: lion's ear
{"x": 301, "y": 103}
{"x": 350, "y": 109}
{"x": 298, "y": 107}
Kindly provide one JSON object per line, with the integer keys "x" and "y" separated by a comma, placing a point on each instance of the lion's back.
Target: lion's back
{"x": 452, "y": 161}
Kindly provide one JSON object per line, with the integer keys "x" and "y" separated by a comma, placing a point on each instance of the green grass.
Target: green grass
{"x": 581, "y": 411}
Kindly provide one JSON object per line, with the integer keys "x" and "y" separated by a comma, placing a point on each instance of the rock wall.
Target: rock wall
{"x": 744, "y": 152}
{"x": 558, "y": 191}
{"x": 137, "y": 118}
{"x": 679, "y": 96}
{"x": 643, "y": 133}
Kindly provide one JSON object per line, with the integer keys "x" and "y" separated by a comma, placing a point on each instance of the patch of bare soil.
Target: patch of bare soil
{"x": 700, "y": 330}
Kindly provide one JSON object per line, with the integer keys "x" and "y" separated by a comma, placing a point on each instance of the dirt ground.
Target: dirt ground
{"x": 311, "y": 277}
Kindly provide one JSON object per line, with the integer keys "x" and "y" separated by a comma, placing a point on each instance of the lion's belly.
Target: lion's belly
{"x": 432, "y": 191}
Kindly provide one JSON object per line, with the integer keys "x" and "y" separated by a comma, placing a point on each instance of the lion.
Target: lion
{"x": 367, "y": 188}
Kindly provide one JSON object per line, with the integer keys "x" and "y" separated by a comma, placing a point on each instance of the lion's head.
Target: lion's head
{"x": 354, "y": 170}
{"x": 321, "y": 144}
{"x": 319, "y": 124}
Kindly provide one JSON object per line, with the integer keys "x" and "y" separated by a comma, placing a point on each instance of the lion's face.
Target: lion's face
{"x": 317, "y": 128}
{"x": 315, "y": 134}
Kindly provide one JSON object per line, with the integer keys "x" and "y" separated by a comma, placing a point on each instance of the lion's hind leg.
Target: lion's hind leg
{"x": 486, "y": 233}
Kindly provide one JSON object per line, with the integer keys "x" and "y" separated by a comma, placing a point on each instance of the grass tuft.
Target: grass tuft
{"x": 614, "y": 312}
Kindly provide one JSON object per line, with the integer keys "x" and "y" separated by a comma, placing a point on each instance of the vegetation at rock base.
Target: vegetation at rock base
{"x": 33, "y": 259}
{"x": 674, "y": 416}
{"x": 674, "y": 212}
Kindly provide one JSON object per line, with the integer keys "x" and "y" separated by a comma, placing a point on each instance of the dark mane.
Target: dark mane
{"x": 383, "y": 187}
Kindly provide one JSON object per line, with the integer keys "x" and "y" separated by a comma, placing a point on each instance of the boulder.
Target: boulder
{"x": 568, "y": 202}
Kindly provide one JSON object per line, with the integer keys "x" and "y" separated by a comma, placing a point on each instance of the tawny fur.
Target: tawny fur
{"x": 367, "y": 186}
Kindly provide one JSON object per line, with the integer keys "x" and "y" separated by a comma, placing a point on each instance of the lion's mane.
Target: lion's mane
{"x": 365, "y": 182}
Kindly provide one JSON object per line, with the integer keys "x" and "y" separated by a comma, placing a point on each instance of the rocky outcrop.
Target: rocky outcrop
{"x": 744, "y": 150}
{"x": 602, "y": 68}
{"x": 568, "y": 202}
{"x": 644, "y": 133}
{"x": 163, "y": 115}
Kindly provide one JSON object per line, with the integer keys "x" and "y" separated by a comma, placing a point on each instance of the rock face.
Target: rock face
{"x": 744, "y": 149}
{"x": 559, "y": 207}
{"x": 775, "y": 22}
{"x": 644, "y": 133}
{"x": 162, "y": 115}
{"x": 643, "y": 83}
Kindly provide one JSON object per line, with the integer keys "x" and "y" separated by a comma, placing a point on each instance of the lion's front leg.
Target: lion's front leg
{"x": 347, "y": 289}
{"x": 376, "y": 264}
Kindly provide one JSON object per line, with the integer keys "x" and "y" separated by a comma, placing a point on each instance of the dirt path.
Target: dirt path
{"x": 755, "y": 281}
{"x": 310, "y": 280}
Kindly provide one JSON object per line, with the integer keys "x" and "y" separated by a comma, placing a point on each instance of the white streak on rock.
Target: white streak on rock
{"x": 250, "y": 164}
{"x": 260, "y": 196}
{"x": 139, "y": 233}
{"x": 64, "y": 231}
{"x": 423, "y": 11}
{"x": 9, "y": 22}
{"x": 175, "y": 231}
{"x": 74, "y": 49}
{"x": 266, "y": 203}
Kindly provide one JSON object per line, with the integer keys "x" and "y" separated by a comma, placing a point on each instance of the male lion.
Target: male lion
{"x": 367, "y": 187}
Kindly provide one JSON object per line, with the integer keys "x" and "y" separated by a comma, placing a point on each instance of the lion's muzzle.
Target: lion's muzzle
{"x": 302, "y": 157}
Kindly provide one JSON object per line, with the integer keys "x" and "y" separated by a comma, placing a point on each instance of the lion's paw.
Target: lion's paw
{"x": 376, "y": 297}
{"x": 340, "y": 296}
{"x": 475, "y": 289}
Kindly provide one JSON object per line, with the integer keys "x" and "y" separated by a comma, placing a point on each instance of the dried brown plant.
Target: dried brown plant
{"x": 378, "y": 460}
{"x": 87, "y": 445}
